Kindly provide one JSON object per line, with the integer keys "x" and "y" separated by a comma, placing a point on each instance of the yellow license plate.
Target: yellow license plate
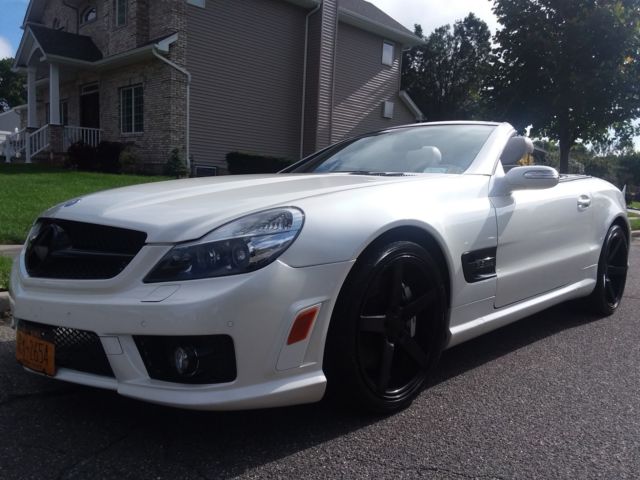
{"x": 35, "y": 353}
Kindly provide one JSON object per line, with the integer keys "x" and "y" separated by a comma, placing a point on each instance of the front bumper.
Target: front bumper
{"x": 256, "y": 310}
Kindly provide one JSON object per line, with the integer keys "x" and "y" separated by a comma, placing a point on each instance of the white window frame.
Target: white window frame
{"x": 388, "y": 54}
{"x": 85, "y": 12}
{"x": 132, "y": 107}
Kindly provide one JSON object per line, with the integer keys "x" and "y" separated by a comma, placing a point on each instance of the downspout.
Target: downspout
{"x": 188, "y": 75}
{"x": 304, "y": 74}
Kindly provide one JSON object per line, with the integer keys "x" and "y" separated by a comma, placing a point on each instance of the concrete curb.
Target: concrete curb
{"x": 11, "y": 251}
{"x": 4, "y": 302}
{"x": 635, "y": 234}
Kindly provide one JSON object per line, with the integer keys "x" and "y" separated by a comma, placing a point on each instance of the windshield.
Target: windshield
{"x": 421, "y": 149}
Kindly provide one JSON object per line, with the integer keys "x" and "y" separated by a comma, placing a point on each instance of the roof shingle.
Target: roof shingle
{"x": 373, "y": 13}
{"x": 64, "y": 44}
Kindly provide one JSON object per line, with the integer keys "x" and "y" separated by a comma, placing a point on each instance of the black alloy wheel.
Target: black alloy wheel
{"x": 387, "y": 331}
{"x": 612, "y": 272}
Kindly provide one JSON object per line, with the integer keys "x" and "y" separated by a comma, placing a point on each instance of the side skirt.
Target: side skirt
{"x": 467, "y": 324}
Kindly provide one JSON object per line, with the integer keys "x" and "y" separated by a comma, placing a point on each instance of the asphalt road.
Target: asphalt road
{"x": 556, "y": 395}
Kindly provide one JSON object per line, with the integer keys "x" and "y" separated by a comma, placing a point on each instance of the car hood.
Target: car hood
{"x": 182, "y": 210}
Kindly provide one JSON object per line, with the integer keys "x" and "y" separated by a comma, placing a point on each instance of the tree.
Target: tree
{"x": 446, "y": 75}
{"x": 570, "y": 68}
{"x": 11, "y": 86}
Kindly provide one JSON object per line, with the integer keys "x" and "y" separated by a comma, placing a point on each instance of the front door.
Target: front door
{"x": 90, "y": 110}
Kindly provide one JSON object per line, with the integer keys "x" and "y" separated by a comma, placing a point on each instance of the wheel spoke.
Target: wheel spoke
{"x": 615, "y": 271}
{"x": 412, "y": 348}
{"x": 396, "y": 286}
{"x": 388, "y": 349}
{"x": 418, "y": 305}
{"x": 614, "y": 250}
{"x": 372, "y": 323}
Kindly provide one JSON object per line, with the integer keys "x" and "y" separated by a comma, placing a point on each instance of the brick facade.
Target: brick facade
{"x": 164, "y": 88}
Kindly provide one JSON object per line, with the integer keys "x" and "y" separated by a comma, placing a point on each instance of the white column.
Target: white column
{"x": 54, "y": 94}
{"x": 32, "y": 121}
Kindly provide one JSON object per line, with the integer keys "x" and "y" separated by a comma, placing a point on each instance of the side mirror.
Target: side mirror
{"x": 531, "y": 178}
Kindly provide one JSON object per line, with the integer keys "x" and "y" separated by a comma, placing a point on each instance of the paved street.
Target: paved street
{"x": 554, "y": 396}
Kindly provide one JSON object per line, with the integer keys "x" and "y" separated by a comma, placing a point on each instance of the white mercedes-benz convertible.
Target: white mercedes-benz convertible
{"x": 349, "y": 272}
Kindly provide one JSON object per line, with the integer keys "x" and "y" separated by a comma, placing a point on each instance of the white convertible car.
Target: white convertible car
{"x": 349, "y": 272}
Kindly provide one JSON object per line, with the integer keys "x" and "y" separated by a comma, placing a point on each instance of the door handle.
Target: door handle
{"x": 584, "y": 201}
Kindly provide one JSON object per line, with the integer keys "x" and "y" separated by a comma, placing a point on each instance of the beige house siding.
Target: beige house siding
{"x": 363, "y": 83}
{"x": 246, "y": 60}
{"x": 326, "y": 74}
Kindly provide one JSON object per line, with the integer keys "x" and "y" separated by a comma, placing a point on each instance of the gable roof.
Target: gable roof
{"x": 64, "y": 44}
{"x": 55, "y": 44}
{"x": 367, "y": 16}
{"x": 373, "y": 13}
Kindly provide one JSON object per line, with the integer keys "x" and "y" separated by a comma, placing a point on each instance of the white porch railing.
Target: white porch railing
{"x": 36, "y": 142}
{"x": 15, "y": 145}
{"x": 23, "y": 144}
{"x": 90, "y": 136}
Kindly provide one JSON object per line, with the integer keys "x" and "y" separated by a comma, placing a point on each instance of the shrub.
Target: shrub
{"x": 239, "y": 163}
{"x": 175, "y": 166}
{"x": 82, "y": 156}
{"x": 108, "y": 156}
{"x": 130, "y": 160}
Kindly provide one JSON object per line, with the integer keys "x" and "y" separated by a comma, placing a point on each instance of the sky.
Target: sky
{"x": 432, "y": 14}
{"x": 11, "y": 15}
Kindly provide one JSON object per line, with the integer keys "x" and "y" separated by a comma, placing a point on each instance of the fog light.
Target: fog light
{"x": 185, "y": 361}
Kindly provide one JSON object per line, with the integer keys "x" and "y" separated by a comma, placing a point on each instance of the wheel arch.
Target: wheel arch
{"x": 426, "y": 240}
{"x": 622, "y": 221}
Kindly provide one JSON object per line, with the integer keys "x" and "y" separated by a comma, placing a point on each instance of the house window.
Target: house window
{"x": 64, "y": 112}
{"x": 131, "y": 109}
{"x": 89, "y": 15}
{"x": 387, "y": 53}
{"x": 121, "y": 12}
{"x": 197, "y": 3}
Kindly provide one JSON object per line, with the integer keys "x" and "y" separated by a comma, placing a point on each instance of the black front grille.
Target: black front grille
{"x": 77, "y": 250}
{"x": 216, "y": 364}
{"x": 75, "y": 349}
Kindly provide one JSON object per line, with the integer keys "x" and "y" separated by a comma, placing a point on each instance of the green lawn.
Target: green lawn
{"x": 635, "y": 223}
{"x": 635, "y": 205}
{"x": 28, "y": 190}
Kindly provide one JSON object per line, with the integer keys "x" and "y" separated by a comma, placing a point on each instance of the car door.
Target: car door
{"x": 543, "y": 239}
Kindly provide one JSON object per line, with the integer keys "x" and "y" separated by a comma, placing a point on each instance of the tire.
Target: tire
{"x": 387, "y": 330}
{"x": 612, "y": 272}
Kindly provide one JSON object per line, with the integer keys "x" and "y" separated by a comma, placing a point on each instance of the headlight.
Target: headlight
{"x": 241, "y": 246}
